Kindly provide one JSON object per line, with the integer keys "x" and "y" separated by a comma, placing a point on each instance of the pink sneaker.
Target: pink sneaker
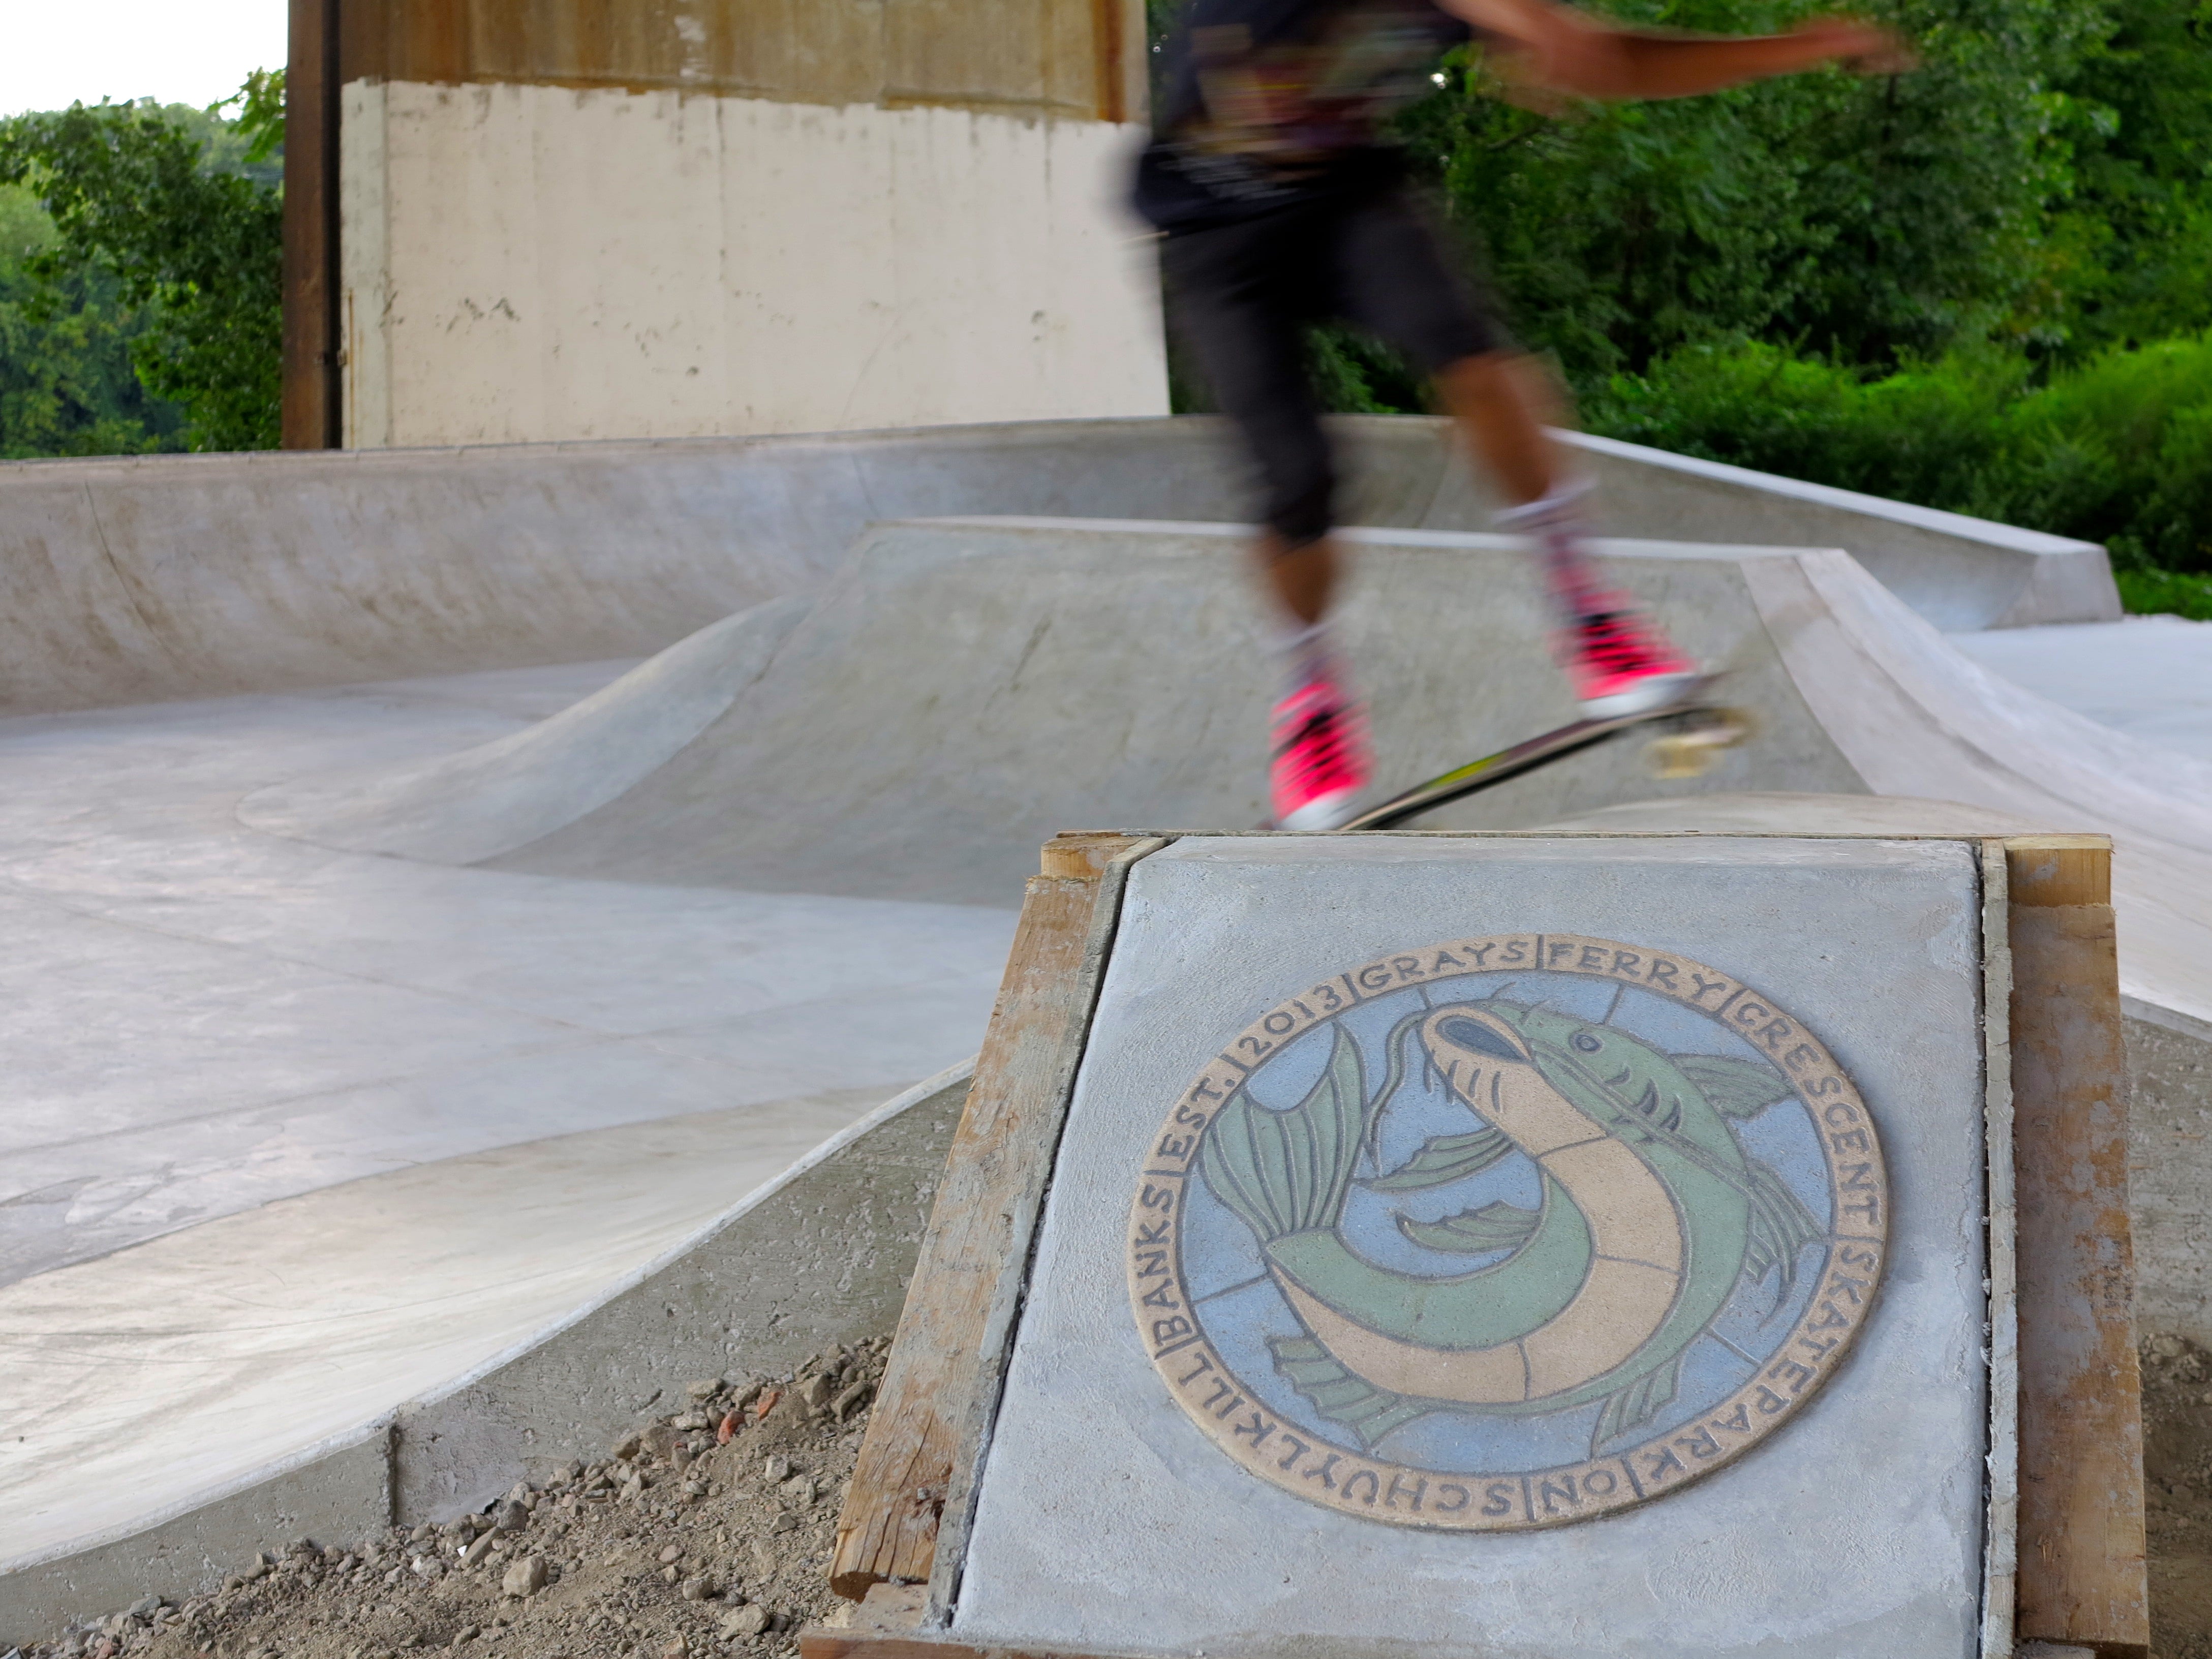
{"x": 1321, "y": 761}
{"x": 1621, "y": 662}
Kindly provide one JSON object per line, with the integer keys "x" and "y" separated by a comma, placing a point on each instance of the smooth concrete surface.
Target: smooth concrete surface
{"x": 293, "y": 1136}
{"x": 1109, "y": 1522}
{"x": 701, "y": 1284}
{"x": 1915, "y": 718}
{"x": 2149, "y": 677}
{"x": 311, "y": 1315}
{"x": 126, "y": 581}
{"x": 200, "y": 1019}
{"x": 215, "y": 1018}
{"x": 521, "y": 263}
{"x": 463, "y": 805}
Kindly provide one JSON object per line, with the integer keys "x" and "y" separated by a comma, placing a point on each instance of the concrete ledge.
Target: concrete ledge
{"x": 815, "y": 1259}
{"x": 1961, "y": 573}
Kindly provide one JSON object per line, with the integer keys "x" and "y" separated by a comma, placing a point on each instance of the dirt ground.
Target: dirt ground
{"x": 707, "y": 1533}
{"x": 2178, "y": 1495}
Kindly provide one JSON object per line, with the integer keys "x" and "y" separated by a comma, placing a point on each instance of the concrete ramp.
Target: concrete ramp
{"x": 962, "y": 689}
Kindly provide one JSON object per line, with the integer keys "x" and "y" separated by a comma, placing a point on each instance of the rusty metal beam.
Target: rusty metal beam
{"x": 313, "y": 371}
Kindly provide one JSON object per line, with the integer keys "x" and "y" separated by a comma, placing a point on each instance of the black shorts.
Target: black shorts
{"x": 1244, "y": 290}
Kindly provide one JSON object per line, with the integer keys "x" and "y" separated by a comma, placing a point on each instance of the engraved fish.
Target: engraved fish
{"x": 1650, "y": 1215}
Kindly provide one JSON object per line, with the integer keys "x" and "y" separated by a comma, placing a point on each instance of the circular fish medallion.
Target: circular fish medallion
{"x": 1507, "y": 1232}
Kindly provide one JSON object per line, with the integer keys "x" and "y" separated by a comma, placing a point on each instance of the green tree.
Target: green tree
{"x": 66, "y": 382}
{"x": 1872, "y": 219}
{"x": 178, "y": 210}
{"x": 2135, "y": 236}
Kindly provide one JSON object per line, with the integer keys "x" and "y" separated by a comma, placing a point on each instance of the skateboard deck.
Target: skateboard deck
{"x": 1691, "y": 732}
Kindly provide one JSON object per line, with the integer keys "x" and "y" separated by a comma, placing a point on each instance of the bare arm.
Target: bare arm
{"x": 1567, "y": 51}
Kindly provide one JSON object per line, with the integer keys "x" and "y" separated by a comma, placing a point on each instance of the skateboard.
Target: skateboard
{"x": 1692, "y": 731}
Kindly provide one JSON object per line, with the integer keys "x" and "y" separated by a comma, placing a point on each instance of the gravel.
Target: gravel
{"x": 674, "y": 1547}
{"x": 706, "y": 1533}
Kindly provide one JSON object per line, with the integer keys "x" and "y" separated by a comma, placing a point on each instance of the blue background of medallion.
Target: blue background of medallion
{"x": 1240, "y": 1308}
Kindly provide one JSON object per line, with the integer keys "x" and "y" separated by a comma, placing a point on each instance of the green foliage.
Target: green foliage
{"x": 2133, "y": 244}
{"x": 1874, "y": 219}
{"x": 2117, "y": 450}
{"x": 166, "y": 233}
{"x": 66, "y": 384}
{"x": 2166, "y": 591}
{"x": 259, "y": 123}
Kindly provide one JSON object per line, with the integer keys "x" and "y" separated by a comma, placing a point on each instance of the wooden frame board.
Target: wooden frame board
{"x": 2063, "y": 1561}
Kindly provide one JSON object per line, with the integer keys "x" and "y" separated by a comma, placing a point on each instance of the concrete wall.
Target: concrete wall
{"x": 2170, "y": 1169}
{"x": 135, "y": 580}
{"x": 820, "y": 1258}
{"x": 521, "y": 263}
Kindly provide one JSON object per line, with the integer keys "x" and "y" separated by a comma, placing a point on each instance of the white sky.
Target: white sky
{"x": 180, "y": 51}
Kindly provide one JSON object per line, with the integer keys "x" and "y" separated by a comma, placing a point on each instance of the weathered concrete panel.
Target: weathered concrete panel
{"x": 661, "y": 263}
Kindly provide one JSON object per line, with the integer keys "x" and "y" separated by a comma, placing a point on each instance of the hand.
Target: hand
{"x": 1861, "y": 47}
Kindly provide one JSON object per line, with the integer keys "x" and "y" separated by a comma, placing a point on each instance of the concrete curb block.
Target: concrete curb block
{"x": 1961, "y": 574}
{"x": 815, "y": 1258}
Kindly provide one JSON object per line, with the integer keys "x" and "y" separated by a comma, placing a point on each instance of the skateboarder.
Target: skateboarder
{"x": 1282, "y": 205}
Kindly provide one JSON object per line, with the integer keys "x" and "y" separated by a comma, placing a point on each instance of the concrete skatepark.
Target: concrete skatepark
{"x": 455, "y": 890}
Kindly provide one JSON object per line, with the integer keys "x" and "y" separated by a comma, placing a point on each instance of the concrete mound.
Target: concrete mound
{"x": 476, "y": 805}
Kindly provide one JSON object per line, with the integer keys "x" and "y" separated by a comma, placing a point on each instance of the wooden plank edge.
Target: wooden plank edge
{"x": 2001, "y": 1525}
{"x": 887, "y": 1524}
{"x": 874, "y": 1546}
{"x": 2054, "y": 870}
{"x": 2082, "y": 1574}
{"x": 998, "y": 1337}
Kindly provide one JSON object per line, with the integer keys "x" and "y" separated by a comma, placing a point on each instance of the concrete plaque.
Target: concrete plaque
{"x": 1557, "y": 1246}
{"x": 1486, "y": 1234}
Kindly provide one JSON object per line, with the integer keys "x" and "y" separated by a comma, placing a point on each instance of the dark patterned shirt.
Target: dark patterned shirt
{"x": 1273, "y": 101}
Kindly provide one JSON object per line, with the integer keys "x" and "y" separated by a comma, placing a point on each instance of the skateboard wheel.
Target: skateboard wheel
{"x": 1681, "y": 757}
{"x": 1691, "y": 751}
